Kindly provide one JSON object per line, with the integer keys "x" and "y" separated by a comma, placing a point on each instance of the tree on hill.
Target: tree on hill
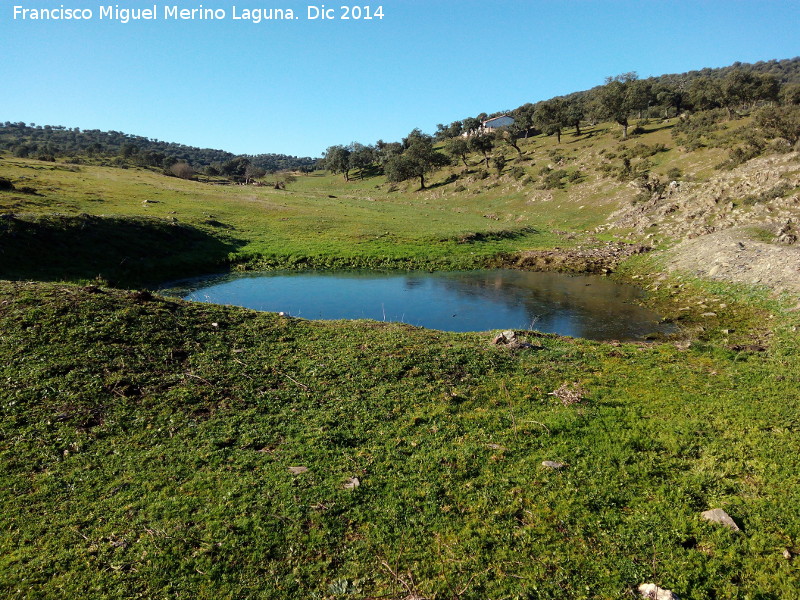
{"x": 705, "y": 94}
{"x": 361, "y": 157}
{"x": 523, "y": 117}
{"x": 253, "y": 172}
{"x": 418, "y": 159}
{"x": 236, "y": 168}
{"x": 483, "y": 143}
{"x": 471, "y": 125}
{"x": 790, "y": 93}
{"x": 616, "y": 99}
{"x": 640, "y": 92}
{"x": 781, "y": 122}
{"x": 551, "y": 116}
{"x": 337, "y": 160}
{"x": 575, "y": 113}
{"x": 457, "y": 147}
{"x": 670, "y": 97}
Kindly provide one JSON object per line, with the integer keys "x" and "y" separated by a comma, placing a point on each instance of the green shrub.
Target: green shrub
{"x": 517, "y": 172}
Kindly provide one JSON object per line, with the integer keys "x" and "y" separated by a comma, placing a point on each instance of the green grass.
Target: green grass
{"x": 461, "y": 221}
{"x": 146, "y": 443}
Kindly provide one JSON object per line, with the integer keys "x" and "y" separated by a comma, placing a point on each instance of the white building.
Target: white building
{"x": 497, "y": 123}
{"x": 491, "y": 125}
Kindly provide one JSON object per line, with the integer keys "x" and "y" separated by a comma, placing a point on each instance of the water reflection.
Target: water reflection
{"x": 581, "y": 306}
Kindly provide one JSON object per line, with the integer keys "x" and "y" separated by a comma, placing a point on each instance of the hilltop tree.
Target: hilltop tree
{"x": 781, "y": 122}
{"x": 235, "y": 168}
{"x": 457, "y": 147}
{"x": 738, "y": 89}
{"x": 790, "y": 93}
{"x": 253, "y": 172}
{"x": 361, "y": 157}
{"x": 523, "y": 117}
{"x": 669, "y": 97}
{"x": 574, "y": 114}
{"x": 470, "y": 125}
{"x": 551, "y": 116}
{"x": 483, "y": 143}
{"x": 640, "y": 94}
{"x": 616, "y": 100}
{"x": 337, "y": 160}
{"x": 384, "y": 151}
{"x": 418, "y": 159}
{"x": 704, "y": 93}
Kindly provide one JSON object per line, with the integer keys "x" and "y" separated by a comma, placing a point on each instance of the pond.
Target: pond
{"x": 587, "y": 306}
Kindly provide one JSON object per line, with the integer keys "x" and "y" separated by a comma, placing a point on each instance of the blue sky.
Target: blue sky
{"x": 296, "y": 87}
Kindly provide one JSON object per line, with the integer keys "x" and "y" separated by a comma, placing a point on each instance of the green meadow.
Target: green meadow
{"x": 156, "y": 448}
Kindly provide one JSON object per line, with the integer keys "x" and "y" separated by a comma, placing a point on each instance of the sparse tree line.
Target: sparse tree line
{"x": 115, "y": 148}
{"x": 770, "y": 90}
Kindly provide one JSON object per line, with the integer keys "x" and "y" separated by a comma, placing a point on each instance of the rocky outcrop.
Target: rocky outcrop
{"x": 760, "y": 192}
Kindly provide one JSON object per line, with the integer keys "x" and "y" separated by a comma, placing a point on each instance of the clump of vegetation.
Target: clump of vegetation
{"x": 517, "y": 172}
{"x": 694, "y": 131}
{"x": 674, "y": 173}
{"x": 553, "y": 179}
{"x": 749, "y": 145}
{"x": 641, "y": 151}
{"x": 779, "y": 191}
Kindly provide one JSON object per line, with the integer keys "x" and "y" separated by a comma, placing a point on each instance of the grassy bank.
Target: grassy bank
{"x": 147, "y": 444}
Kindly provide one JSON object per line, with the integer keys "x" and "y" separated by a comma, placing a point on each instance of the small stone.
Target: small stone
{"x": 552, "y": 464}
{"x": 297, "y": 470}
{"x": 717, "y": 515}
{"x": 507, "y": 337}
{"x": 352, "y": 483}
{"x": 215, "y": 324}
{"x": 787, "y": 554}
{"x": 709, "y": 314}
{"x": 651, "y": 590}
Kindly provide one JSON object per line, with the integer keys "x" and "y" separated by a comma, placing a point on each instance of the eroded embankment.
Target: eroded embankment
{"x": 588, "y": 259}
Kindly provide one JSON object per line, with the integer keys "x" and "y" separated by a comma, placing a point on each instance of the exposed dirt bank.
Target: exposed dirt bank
{"x": 731, "y": 256}
{"x": 595, "y": 259}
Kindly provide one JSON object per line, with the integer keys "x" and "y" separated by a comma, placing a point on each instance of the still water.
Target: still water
{"x": 585, "y": 306}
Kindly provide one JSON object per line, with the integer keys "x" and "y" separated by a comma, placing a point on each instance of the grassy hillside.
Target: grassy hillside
{"x": 157, "y": 448}
{"x": 150, "y": 448}
{"x": 551, "y": 195}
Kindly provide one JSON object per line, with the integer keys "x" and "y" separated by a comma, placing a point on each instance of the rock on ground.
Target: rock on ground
{"x": 717, "y": 515}
{"x": 651, "y": 590}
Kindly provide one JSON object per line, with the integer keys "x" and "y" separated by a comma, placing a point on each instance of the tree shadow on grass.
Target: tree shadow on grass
{"x": 124, "y": 251}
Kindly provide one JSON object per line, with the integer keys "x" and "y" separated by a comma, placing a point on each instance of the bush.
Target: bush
{"x": 553, "y": 180}
{"x": 693, "y": 131}
{"x": 182, "y": 170}
{"x": 778, "y": 191}
{"x": 576, "y": 176}
{"x": 517, "y": 173}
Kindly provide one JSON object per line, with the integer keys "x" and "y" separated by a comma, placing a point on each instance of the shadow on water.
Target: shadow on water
{"x": 586, "y": 306}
